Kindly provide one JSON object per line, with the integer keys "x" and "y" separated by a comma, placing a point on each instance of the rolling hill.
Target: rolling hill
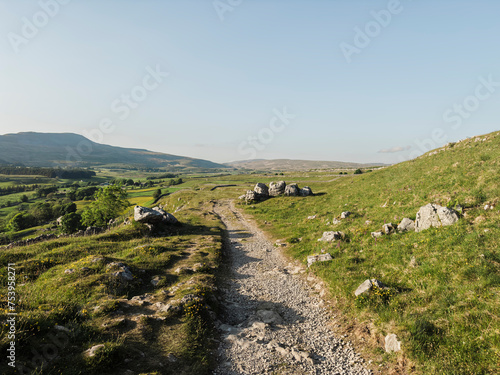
{"x": 296, "y": 165}
{"x": 73, "y": 150}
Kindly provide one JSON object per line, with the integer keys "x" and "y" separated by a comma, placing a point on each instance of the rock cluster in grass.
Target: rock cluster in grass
{"x": 430, "y": 215}
{"x": 261, "y": 192}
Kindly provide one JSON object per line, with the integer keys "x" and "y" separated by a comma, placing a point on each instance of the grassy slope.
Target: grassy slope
{"x": 446, "y": 309}
{"x": 49, "y": 297}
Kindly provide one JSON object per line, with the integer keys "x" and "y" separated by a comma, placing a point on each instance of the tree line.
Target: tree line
{"x": 47, "y": 172}
{"x": 17, "y": 189}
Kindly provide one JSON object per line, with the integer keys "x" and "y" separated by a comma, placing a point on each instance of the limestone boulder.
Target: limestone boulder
{"x": 261, "y": 189}
{"x": 433, "y": 215}
{"x": 318, "y": 258}
{"x": 406, "y": 225}
{"x": 147, "y": 215}
{"x": 277, "y": 188}
{"x": 332, "y": 236}
{"x": 368, "y": 285}
{"x": 292, "y": 190}
{"x": 306, "y": 191}
{"x": 392, "y": 344}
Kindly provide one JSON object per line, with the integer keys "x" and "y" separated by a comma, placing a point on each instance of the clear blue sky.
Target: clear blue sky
{"x": 227, "y": 78}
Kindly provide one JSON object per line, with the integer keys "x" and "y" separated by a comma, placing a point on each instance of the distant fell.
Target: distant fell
{"x": 297, "y": 165}
{"x": 73, "y": 150}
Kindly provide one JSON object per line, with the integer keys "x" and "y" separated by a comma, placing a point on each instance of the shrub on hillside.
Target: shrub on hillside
{"x": 108, "y": 204}
{"x": 71, "y": 223}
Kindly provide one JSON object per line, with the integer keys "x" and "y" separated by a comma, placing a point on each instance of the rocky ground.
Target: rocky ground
{"x": 273, "y": 322}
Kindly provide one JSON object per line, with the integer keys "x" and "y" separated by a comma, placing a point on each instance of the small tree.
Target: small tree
{"x": 108, "y": 204}
{"x": 358, "y": 171}
{"x": 71, "y": 223}
{"x": 157, "y": 194}
{"x": 24, "y": 198}
{"x": 17, "y": 223}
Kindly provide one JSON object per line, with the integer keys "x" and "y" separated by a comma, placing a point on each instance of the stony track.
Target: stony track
{"x": 272, "y": 322}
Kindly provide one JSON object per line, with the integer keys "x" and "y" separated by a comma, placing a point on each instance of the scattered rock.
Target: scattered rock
{"x": 123, "y": 272}
{"x": 188, "y": 298}
{"x": 388, "y": 228}
{"x": 377, "y": 234}
{"x": 413, "y": 262}
{"x": 433, "y": 215}
{"x": 406, "y": 225}
{"x": 368, "y": 285}
{"x": 345, "y": 215}
{"x": 155, "y": 280}
{"x": 62, "y": 328}
{"x": 69, "y": 271}
{"x": 197, "y": 266}
{"x": 332, "y": 236}
{"x": 392, "y": 344}
{"x": 90, "y": 231}
{"x": 336, "y": 221}
{"x": 124, "y": 275}
{"x": 311, "y": 217}
{"x": 93, "y": 350}
{"x": 318, "y": 258}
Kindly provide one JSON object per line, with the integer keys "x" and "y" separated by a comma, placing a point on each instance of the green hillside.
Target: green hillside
{"x": 444, "y": 304}
{"x": 67, "y": 149}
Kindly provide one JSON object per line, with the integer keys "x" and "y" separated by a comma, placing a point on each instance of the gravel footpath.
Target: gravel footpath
{"x": 272, "y": 321}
